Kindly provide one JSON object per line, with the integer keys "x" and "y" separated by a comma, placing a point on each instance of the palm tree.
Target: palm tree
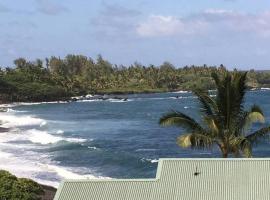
{"x": 225, "y": 122}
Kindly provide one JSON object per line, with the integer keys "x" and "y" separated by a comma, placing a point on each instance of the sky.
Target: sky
{"x": 235, "y": 33}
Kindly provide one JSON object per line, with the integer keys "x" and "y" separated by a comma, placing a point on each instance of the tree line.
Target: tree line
{"x": 58, "y": 78}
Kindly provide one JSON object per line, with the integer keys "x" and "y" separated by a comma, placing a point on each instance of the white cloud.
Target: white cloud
{"x": 211, "y": 21}
{"x": 158, "y": 25}
{"x": 218, "y": 11}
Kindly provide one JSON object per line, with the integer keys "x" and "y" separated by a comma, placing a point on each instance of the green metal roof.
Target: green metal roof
{"x": 181, "y": 179}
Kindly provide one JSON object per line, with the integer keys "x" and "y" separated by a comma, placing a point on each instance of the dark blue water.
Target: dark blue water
{"x": 110, "y": 138}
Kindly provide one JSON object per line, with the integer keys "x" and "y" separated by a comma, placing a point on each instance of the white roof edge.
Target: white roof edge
{"x": 217, "y": 159}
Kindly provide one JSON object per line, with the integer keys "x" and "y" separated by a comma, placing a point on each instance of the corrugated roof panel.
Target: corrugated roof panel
{"x": 177, "y": 179}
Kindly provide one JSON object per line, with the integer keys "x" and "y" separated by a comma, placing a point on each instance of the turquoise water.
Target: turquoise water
{"x": 100, "y": 139}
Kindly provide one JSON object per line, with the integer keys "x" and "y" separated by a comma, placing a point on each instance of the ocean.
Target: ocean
{"x": 112, "y": 138}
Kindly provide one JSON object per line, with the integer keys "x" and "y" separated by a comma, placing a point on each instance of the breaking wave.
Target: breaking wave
{"x": 11, "y": 121}
{"x": 23, "y": 145}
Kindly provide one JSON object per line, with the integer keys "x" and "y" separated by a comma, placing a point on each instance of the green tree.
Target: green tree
{"x": 225, "y": 122}
{"x": 13, "y": 188}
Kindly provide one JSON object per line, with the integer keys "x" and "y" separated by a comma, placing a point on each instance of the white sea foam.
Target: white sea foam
{"x": 60, "y": 132}
{"x": 182, "y": 92}
{"x": 67, "y": 173}
{"x": 21, "y": 166}
{"x": 118, "y": 100}
{"x": 30, "y": 103}
{"x": 149, "y": 160}
{"x": 105, "y": 100}
{"x": 265, "y": 88}
{"x": 90, "y": 100}
{"x": 32, "y": 167}
{"x": 36, "y": 136}
{"x": 10, "y": 110}
{"x": 154, "y": 161}
{"x": 75, "y": 140}
{"x": 42, "y": 137}
{"x": 4, "y": 155}
{"x": 32, "y": 164}
{"x": 94, "y": 148}
{"x": 10, "y": 121}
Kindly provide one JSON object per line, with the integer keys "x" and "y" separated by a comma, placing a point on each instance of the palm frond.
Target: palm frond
{"x": 240, "y": 87}
{"x": 224, "y": 117}
{"x": 253, "y": 138}
{"x": 179, "y": 119}
{"x": 230, "y": 98}
{"x": 212, "y": 125}
{"x": 240, "y": 143}
{"x": 195, "y": 140}
{"x": 208, "y": 105}
{"x": 253, "y": 117}
{"x": 184, "y": 140}
{"x": 247, "y": 118}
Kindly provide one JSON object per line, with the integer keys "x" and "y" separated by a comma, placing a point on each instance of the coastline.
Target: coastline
{"x": 112, "y": 94}
{"x": 104, "y": 95}
{"x": 49, "y": 191}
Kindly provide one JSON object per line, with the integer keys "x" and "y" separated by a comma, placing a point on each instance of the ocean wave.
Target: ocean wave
{"x": 4, "y": 155}
{"x": 11, "y": 121}
{"x": 41, "y": 169}
{"x": 10, "y": 110}
{"x": 68, "y": 173}
{"x": 60, "y": 132}
{"x": 42, "y": 137}
{"x": 37, "y": 137}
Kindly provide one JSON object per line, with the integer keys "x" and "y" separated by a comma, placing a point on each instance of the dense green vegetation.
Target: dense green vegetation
{"x": 57, "y": 79}
{"x": 13, "y": 188}
{"x": 225, "y": 122}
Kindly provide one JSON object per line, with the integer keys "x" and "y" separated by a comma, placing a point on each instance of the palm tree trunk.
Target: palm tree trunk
{"x": 225, "y": 155}
{"x": 223, "y": 150}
